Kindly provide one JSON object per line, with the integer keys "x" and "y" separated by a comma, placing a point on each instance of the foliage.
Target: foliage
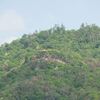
{"x": 54, "y": 64}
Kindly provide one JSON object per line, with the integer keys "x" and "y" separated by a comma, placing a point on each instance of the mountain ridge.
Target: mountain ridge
{"x": 54, "y": 64}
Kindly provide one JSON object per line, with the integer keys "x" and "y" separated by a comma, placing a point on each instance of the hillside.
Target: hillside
{"x": 54, "y": 64}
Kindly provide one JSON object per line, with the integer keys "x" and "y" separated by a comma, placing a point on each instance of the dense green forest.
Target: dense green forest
{"x": 54, "y": 64}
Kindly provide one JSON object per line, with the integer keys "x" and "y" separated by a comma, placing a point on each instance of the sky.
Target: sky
{"x": 18, "y": 17}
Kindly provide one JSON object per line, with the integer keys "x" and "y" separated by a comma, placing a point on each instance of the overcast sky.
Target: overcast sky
{"x": 18, "y": 17}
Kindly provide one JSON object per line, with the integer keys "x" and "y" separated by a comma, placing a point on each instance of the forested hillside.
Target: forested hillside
{"x": 54, "y": 64}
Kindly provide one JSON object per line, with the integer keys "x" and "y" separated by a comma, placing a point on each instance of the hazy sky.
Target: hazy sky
{"x": 18, "y": 17}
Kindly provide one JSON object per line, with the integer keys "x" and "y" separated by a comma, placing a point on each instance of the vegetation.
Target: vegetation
{"x": 54, "y": 64}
